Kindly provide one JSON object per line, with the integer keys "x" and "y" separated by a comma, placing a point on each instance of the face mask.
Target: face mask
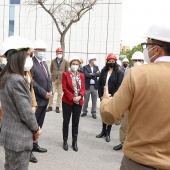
{"x": 41, "y": 55}
{"x": 28, "y": 64}
{"x": 111, "y": 65}
{"x": 4, "y": 61}
{"x": 59, "y": 55}
{"x": 95, "y": 62}
{"x": 125, "y": 65}
{"x": 137, "y": 64}
{"x": 146, "y": 54}
{"x": 74, "y": 67}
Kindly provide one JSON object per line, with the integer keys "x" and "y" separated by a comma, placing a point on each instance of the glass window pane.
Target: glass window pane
{"x": 14, "y": 1}
{"x": 11, "y": 13}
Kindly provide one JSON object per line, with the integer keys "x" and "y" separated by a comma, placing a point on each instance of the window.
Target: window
{"x": 14, "y": 1}
{"x": 11, "y": 20}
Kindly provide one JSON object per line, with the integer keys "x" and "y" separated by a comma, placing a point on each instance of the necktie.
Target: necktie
{"x": 43, "y": 69}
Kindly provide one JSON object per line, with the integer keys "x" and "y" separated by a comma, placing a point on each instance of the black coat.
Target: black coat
{"x": 114, "y": 81}
{"x": 41, "y": 83}
{"x": 87, "y": 70}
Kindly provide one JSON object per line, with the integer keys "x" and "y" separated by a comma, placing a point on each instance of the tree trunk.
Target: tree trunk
{"x": 62, "y": 43}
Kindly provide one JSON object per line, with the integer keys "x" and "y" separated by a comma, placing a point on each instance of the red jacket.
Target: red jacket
{"x": 68, "y": 91}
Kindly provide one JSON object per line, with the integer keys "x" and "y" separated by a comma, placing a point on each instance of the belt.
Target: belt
{"x": 142, "y": 164}
{"x": 92, "y": 84}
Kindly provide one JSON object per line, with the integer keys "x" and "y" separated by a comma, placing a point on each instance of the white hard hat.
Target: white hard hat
{"x": 74, "y": 58}
{"x": 15, "y": 42}
{"x": 125, "y": 60}
{"x": 119, "y": 62}
{"x": 138, "y": 55}
{"x": 91, "y": 57}
{"x": 159, "y": 32}
{"x": 40, "y": 44}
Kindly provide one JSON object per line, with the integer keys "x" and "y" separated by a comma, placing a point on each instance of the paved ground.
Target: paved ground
{"x": 93, "y": 154}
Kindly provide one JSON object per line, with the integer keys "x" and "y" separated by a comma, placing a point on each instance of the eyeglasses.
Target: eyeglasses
{"x": 137, "y": 60}
{"x": 145, "y": 45}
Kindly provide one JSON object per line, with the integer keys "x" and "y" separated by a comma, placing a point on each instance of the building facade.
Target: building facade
{"x": 97, "y": 33}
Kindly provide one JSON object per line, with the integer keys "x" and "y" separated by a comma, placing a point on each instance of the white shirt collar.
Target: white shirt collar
{"x": 38, "y": 59}
{"x": 163, "y": 58}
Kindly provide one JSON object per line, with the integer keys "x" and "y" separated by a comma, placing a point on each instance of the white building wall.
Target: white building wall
{"x": 97, "y": 33}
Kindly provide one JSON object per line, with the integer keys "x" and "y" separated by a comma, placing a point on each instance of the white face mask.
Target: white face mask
{"x": 137, "y": 64}
{"x": 146, "y": 54}
{"x": 59, "y": 55}
{"x": 4, "y": 61}
{"x": 28, "y": 64}
{"x": 95, "y": 62}
{"x": 74, "y": 67}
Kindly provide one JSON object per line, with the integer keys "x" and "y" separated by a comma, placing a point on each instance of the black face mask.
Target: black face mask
{"x": 111, "y": 65}
{"x": 125, "y": 65}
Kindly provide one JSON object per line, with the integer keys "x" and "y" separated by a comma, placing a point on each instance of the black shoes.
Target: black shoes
{"x": 83, "y": 114}
{"x": 33, "y": 158}
{"x": 108, "y": 137}
{"x": 102, "y": 134}
{"x": 74, "y": 146}
{"x": 65, "y": 146}
{"x": 94, "y": 116}
{"x": 37, "y": 148}
{"x": 118, "y": 147}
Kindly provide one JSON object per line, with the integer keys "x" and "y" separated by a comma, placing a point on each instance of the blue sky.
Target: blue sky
{"x": 138, "y": 15}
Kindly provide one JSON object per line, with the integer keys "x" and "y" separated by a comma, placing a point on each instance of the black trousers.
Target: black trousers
{"x": 75, "y": 110}
{"x": 107, "y": 128}
{"x": 40, "y": 115}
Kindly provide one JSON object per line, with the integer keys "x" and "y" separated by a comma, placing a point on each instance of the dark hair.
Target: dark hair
{"x": 115, "y": 68}
{"x": 164, "y": 45}
{"x": 15, "y": 65}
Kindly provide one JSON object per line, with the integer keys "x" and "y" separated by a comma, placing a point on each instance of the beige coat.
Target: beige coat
{"x": 56, "y": 74}
{"x": 146, "y": 93}
{"x": 30, "y": 85}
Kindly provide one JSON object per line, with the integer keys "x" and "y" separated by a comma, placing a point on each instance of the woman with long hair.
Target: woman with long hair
{"x": 111, "y": 77}
{"x": 19, "y": 127}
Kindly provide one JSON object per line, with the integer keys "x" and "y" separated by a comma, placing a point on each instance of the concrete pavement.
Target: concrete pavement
{"x": 93, "y": 154}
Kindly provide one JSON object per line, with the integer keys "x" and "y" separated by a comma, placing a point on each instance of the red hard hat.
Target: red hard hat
{"x": 111, "y": 56}
{"x": 59, "y": 50}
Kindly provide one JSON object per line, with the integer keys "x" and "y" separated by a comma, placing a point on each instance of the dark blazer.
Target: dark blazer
{"x": 114, "y": 81}
{"x": 68, "y": 91}
{"x": 19, "y": 122}
{"x": 41, "y": 83}
{"x": 87, "y": 70}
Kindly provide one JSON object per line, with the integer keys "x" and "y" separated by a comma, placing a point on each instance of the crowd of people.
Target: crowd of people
{"x": 136, "y": 96}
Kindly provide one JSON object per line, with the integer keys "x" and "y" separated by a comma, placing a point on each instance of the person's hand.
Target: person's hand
{"x": 106, "y": 94}
{"x": 97, "y": 72}
{"x": 37, "y": 135}
{"x": 34, "y": 109}
{"x": 48, "y": 95}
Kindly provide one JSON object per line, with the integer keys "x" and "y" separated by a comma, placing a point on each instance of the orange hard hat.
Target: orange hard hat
{"x": 59, "y": 50}
{"x": 111, "y": 56}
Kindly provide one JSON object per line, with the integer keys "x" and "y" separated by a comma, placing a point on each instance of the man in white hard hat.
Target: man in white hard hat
{"x": 42, "y": 86}
{"x": 125, "y": 65}
{"x": 145, "y": 92}
{"x": 91, "y": 72}
{"x": 137, "y": 60}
